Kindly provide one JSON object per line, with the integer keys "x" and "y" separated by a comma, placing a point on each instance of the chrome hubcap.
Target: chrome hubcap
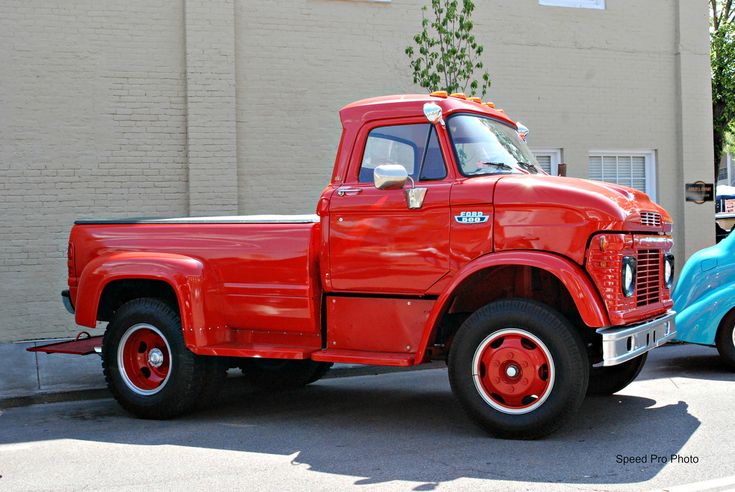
{"x": 155, "y": 357}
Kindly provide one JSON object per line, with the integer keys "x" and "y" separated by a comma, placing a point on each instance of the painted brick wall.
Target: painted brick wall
{"x": 92, "y": 123}
{"x": 222, "y": 106}
{"x": 210, "y": 101}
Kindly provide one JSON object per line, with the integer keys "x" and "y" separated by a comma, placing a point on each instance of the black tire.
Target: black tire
{"x": 281, "y": 373}
{"x": 609, "y": 380}
{"x": 725, "y": 339}
{"x": 541, "y": 332}
{"x": 215, "y": 374}
{"x": 134, "y": 387}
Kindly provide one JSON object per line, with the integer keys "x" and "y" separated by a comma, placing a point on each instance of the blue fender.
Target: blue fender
{"x": 698, "y": 322}
{"x": 705, "y": 292}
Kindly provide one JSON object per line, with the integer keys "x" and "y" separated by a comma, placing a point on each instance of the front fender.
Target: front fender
{"x": 183, "y": 273}
{"x": 571, "y": 275}
{"x": 698, "y": 322}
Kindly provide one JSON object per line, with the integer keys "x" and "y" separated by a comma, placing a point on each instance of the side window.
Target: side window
{"x": 433, "y": 168}
{"x": 415, "y": 147}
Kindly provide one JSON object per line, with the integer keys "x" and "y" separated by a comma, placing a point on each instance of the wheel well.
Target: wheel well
{"x": 118, "y": 292}
{"x": 726, "y": 320}
{"x": 502, "y": 282}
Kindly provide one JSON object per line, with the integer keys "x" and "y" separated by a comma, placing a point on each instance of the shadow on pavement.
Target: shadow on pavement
{"x": 404, "y": 426}
{"x": 686, "y": 361}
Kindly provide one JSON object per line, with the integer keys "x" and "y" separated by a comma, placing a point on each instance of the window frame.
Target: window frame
{"x": 555, "y": 154}
{"x": 649, "y": 156}
{"x": 574, "y": 4}
{"x": 419, "y": 166}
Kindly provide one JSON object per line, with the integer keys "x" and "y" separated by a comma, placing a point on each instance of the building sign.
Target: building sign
{"x": 700, "y": 192}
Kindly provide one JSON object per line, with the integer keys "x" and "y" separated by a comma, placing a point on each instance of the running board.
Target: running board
{"x": 363, "y": 357}
{"x": 258, "y": 350}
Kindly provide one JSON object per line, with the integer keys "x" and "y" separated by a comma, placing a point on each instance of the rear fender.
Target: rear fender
{"x": 571, "y": 275}
{"x": 183, "y": 273}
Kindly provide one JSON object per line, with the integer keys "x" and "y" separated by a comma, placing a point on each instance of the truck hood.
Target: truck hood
{"x": 559, "y": 214}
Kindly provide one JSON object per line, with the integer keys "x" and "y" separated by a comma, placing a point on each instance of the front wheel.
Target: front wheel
{"x": 147, "y": 366}
{"x": 518, "y": 368}
{"x": 609, "y": 380}
{"x": 725, "y": 339}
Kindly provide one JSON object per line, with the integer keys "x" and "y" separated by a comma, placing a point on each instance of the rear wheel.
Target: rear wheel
{"x": 518, "y": 368}
{"x": 725, "y": 339}
{"x": 283, "y": 373}
{"x": 147, "y": 366}
{"x": 609, "y": 380}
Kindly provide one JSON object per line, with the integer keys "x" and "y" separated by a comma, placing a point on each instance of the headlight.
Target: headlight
{"x": 628, "y": 275}
{"x": 668, "y": 270}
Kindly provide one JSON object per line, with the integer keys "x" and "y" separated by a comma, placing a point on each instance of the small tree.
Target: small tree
{"x": 447, "y": 55}
{"x": 722, "y": 56}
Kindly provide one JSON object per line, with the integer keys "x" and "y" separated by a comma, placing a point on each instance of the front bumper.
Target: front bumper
{"x": 623, "y": 343}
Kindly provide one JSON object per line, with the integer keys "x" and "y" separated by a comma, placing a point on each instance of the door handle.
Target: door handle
{"x": 348, "y": 191}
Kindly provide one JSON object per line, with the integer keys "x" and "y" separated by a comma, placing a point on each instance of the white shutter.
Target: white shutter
{"x": 633, "y": 169}
{"x": 544, "y": 160}
{"x": 548, "y": 159}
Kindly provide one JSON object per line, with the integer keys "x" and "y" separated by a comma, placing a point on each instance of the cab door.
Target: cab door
{"x": 377, "y": 244}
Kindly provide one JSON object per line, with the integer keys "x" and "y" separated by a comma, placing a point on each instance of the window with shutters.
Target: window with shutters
{"x": 548, "y": 159}
{"x": 634, "y": 169}
{"x": 580, "y": 4}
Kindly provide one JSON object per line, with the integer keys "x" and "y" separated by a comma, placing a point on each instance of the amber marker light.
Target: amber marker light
{"x": 458, "y": 95}
{"x": 442, "y": 94}
{"x": 475, "y": 99}
{"x": 489, "y": 104}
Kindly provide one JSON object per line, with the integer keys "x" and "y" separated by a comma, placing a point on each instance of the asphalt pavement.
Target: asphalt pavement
{"x": 673, "y": 427}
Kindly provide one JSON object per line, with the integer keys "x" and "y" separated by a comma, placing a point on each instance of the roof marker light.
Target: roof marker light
{"x": 442, "y": 94}
{"x": 475, "y": 99}
{"x": 489, "y": 104}
{"x": 458, "y": 95}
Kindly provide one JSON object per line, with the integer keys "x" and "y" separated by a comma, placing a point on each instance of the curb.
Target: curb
{"x": 340, "y": 371}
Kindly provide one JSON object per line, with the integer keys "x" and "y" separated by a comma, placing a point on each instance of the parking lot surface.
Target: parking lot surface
{"x": 393, "y": 431}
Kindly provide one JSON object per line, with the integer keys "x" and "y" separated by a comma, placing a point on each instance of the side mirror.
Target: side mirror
{"x": 522, "y": 131}
{"x": 433, "y": 113}
{"x": 390, "y": 177}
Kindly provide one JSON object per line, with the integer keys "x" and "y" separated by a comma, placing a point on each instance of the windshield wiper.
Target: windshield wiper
{"x": 500, "y": 166}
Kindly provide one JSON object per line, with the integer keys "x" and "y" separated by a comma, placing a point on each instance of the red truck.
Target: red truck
{"x": 438, "y": 238}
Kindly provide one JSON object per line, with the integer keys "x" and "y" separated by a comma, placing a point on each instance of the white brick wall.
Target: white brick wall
{"x": 92, "y": 123}
{"x": 210, "y": 102}
{"x": 194, "y": 106}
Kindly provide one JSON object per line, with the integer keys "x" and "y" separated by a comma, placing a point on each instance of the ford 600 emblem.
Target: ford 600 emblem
{"x": 471, "y": 218}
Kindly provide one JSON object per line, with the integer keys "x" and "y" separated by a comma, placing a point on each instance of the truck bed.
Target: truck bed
{"x": 260, "y": 271}
{"x": 225, "y": 219}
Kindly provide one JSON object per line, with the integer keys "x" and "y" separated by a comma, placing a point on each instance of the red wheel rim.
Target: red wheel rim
{"x": 144, "y": 359}
{"x": 513, "y": 371}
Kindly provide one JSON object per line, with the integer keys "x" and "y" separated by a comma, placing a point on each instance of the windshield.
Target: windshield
{"x": 486, "y": 146}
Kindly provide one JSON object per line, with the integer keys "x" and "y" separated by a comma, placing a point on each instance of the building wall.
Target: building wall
{"x": 223, "y": 106}
{"x": 92, "y": 122}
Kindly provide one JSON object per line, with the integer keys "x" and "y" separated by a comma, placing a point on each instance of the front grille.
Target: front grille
{"x": 652, "y": 219}
{"x": 648, "y": 280}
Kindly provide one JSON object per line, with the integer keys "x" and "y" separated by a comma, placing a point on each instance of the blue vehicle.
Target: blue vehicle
{"x": 704, "y": 299}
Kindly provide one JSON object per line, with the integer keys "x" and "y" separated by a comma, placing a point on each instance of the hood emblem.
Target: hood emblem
{"x": 471, "y": 218}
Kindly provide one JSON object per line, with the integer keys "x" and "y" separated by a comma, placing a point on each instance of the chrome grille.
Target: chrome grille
{"x": 652, "y": 219}
{"x": 648, "y": 279}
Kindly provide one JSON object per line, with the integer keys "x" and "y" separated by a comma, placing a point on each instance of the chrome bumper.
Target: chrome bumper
{"x": 620, "y": 344}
